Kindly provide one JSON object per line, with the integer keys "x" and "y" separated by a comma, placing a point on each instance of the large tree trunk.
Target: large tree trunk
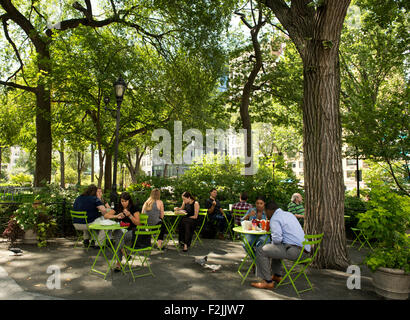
{"x": 316, "y": 34}
{"x": 42, "y": 172}
{"x": 323, "y": 171}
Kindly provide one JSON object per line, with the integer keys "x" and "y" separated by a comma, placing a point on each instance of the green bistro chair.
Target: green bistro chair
{"x": 312, "y": 240}
{"x": 361, "y": 237}
{"x": 204, "y": 214}
{"x": 80, "y": 215}
{"x": 229, "y": 223}
{"x": 143, "y": 218}
{"x": 142, "y": 253}
{"x": 237, "y": 213}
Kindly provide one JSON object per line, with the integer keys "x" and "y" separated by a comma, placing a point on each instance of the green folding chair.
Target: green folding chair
{"x": 142, "y": 253}
{"x": 312, "y": 240}
{"x": 143, "y": 218}
{"x": 229, "y": 223}
{"x": 238, "y": 213}
{"x": 79, "y": 233}
{"x": 204, "y": 214}
{"x": 359, "y": 235}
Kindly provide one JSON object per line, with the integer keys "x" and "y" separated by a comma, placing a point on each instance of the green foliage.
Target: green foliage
{"x": 397, "y": 257}
{"x": 227, "y": 179}
{"x": 380, "y": 171}
{"x": 387, "y": 220}
{"x": 375, "y": 91}
{"x": 21, "y": 179}
{"x": 353, "y": 207}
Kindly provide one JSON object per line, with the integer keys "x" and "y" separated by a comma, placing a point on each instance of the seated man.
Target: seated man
{"x": 216, "y": 213}
{"x": 287, "y": 236}
{"x": 296, "y": 207}
{"x": 241, "y": 205}
{"x": 89, "y": 202}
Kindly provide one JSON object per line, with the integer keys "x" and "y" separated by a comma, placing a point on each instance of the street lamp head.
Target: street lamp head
{"x": 120, "y": 87}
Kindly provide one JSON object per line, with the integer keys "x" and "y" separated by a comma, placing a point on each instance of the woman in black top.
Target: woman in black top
{"x": 188, "y": 222}
{"x": 128, "y": 216}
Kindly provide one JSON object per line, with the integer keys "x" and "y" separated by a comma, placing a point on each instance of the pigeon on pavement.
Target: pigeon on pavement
{"x": 202, "y": 261}
{"x": 16, "y": 251}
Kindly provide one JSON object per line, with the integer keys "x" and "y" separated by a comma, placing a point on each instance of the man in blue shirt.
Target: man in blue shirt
{"x": 89, "y": 202}
{"x": 287, "y": 236}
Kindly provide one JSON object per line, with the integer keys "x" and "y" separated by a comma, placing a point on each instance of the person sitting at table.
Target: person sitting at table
{"x": 216, "y": 213}
{"x": 296, "y": 207}
{"x": 257, "y": 213}
{"x": 90, "y": 203}
{"x": 287, "y": 236}
{"x": 100, "y": 196}
{"x": 128, "y": 213}
{"x": 188, "y": 222}
{"x": 241, "y": 205}
{"x": 154, "y": 208}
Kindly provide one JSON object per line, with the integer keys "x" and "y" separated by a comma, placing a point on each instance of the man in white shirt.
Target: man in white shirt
{"x": 287, "y": 236}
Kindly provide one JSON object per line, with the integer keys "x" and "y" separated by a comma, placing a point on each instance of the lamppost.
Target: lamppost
{"x": 119, "y": 88}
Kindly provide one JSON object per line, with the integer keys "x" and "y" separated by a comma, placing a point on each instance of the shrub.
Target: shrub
{"x": 387, "y": 220}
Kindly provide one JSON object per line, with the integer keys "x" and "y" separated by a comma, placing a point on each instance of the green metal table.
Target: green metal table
{"x": 249, "y": 252}
{"x": 106, "y": 228}
{"x": 171, "y": 226}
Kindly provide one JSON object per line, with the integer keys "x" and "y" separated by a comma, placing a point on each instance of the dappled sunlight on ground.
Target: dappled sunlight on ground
{"x": 177, "y": 275}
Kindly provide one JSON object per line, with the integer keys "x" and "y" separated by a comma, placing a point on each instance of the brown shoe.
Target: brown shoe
{"x": 263, "y": 285}
{"x": 276, "y": 279}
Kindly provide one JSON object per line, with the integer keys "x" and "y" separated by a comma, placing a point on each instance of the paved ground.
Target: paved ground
{"x": 177, "y": 276}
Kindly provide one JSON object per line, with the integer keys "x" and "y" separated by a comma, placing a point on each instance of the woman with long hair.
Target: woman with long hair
{"x": 154, "y": 208}
{"x": 129, "y": 214}
{"x": 188, "y": 222}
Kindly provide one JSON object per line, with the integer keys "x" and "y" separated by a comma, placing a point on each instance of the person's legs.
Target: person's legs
{"x": 127, "y": 240}
{"x": 181, "y": 233}
{"x": 264, "y": 266}
{"x": 86, "y": 234}
{"x": 189, "y": 231}
{"x": 161, "y": 234}
{"x": 251, "y": 240}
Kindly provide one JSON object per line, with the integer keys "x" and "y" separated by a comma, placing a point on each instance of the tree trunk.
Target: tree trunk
{"x": 92, "y": 163}
{"x": 323, "y": 171}
{"x": 316, "y": 33}
{"x": 62, "y": 165}
{"x": 101, "y": 164}
{"x": 248, "y": 90}
{"x": 80, "y": 166}
{"x": 108, "y": 172}
{"x": 42, "y": 174}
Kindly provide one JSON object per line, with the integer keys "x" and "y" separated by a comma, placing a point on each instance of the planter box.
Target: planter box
{"x": 392, "y": 283}
{"x": 30, "y": 237}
